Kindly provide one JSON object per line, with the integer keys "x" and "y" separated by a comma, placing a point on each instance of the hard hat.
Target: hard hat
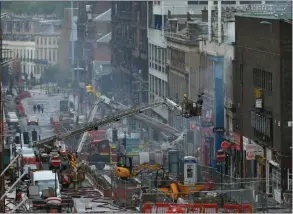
{"x": 83, "y": 161}
{"x": 185, "y": 95}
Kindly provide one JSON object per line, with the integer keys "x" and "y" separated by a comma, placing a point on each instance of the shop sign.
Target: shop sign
{"x": 253, "y": 147}
{"x": 250, "y": 155}
{"x": 225, "y": 145}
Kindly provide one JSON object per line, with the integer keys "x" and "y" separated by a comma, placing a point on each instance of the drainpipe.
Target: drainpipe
{"x": 219, "y": 22}
{"x": 210, "y": 3}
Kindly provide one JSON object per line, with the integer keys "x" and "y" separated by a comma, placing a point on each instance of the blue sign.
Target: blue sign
{"x": 133, "y": 145}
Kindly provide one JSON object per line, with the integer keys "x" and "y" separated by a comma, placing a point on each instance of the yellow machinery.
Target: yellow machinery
{"x": 125, "y": 169}
{"x": 173, "y": 189}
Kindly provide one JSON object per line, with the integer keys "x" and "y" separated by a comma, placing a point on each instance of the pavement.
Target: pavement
{"x": 51, "y": 106}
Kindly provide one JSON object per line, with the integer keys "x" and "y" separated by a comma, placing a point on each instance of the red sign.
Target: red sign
{"x": 55, "y": 161}
{"x": 225, "y": 145}
{"x": 29, "y": 160}
{"x": 221, "y": 156}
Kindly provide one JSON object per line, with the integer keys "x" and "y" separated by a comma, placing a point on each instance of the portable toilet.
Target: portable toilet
{"x": 190, "y": 170}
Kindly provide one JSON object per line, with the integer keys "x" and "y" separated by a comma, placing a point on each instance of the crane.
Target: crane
{"x": 97, "y": 123}
{"x": 94, "y": 124}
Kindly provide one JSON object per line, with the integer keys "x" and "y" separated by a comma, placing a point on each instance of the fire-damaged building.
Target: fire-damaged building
{"x": 129, "y": 47}
{"x": 263, "y": 98}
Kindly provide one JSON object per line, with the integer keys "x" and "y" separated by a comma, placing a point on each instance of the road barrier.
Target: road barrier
{"x": 195, "y": 208}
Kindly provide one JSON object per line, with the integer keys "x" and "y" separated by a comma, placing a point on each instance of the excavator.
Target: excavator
{"x": 125, "y": 169}
{"x": 171, "y": 188}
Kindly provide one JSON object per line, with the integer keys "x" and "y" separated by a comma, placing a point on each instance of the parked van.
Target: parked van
{"x": 45, "y": 179}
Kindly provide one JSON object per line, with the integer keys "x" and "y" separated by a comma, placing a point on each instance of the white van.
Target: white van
{"x": 45, "y": 179}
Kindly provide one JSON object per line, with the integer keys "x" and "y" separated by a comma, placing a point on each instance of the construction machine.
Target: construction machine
{"x": 125, "y": 169}
{"x": 47, "y": 142}
{"x": 171, "y": 188}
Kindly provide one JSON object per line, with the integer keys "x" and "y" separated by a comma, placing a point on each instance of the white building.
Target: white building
{"x": 25, "y": 51}
{"x": 157, "y": 49}
{"x": 47, "y": 44}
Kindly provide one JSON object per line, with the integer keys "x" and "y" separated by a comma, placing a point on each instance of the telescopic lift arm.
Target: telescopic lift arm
{"x": 110, "y": 119}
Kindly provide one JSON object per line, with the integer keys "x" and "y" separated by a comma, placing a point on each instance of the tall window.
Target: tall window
{"x": 50, "y": 55}
{"x": 54, "y": 56}
{"x": 178, "y": 59}
{"x": 262, "y": 125}
{"x": 262, "y": 79}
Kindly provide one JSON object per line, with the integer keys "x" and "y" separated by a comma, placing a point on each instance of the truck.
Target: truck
{"x": 44, "y": 192}
{"x": 46, "y": 179}
{"x": 64, "y": 108}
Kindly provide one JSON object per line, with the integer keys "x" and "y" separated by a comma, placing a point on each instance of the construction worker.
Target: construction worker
{"x": 74, "y": 179}
{"x": 185, "y": 106}
{"x": 81, "y": 172}
{"x": 12, "y": 173}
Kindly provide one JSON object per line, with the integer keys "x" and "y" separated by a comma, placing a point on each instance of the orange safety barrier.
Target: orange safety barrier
{"x": 232, "y": 208}
{"x": 187, "y": 208}
{"x": 247, "y": 208}
{"x": 237, "y": 208}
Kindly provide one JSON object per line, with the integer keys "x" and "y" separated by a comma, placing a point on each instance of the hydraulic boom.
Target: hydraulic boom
{"x": 110, "y": 119}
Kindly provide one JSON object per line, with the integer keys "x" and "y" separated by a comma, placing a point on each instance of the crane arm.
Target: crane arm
{"x": 97, "y": 123}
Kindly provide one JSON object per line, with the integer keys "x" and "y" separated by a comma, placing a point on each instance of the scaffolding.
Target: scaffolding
{"x": 2, "y": 180}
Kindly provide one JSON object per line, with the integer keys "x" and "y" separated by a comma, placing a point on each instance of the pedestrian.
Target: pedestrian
{"x": 42, "y": 108}
{"x": 35, "y": 108}
{"x": 39, "y": 108}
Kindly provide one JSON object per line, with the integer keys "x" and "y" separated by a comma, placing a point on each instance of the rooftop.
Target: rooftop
{"x": 105, "y": 39}
{"x": 106, "y": 16}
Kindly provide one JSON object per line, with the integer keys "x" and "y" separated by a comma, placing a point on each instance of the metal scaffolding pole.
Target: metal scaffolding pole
{"x": 19, "y": 205}
{"x": 14, "y": 159}
{"x": 11, "y": 188}
{"x": 2, "y": 181}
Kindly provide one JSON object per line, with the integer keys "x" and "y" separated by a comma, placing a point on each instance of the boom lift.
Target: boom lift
{"x": 188, "y": 111}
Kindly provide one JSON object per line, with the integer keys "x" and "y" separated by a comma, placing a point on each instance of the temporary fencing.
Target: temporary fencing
{"x": 125, "y": 193}
{"x": 195, "y": 208}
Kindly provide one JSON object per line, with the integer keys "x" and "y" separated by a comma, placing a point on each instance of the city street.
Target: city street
{"x": 51, "y": 106}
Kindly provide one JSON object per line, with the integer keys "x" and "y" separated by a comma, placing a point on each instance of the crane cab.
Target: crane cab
{"x": 124, "y": 167}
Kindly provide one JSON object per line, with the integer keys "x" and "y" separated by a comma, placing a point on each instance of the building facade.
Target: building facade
{"x": 46, "y": 50}
{"x": 263, "y": 98}
{"x": 183, "y": 62}
{"x": 158, "y": 77}
{"x": 25, "y": 52}
{"x": 129, "y": 46}
{"x": 32, "y": 40}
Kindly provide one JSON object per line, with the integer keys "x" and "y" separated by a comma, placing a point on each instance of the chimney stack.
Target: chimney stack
{"x": 172, "y": 25}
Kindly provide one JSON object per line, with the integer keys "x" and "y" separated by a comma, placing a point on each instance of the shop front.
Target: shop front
{"x": 232, "y": 146}
{"x": 254, "y": 163}
{"x": 278, "y": 174}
